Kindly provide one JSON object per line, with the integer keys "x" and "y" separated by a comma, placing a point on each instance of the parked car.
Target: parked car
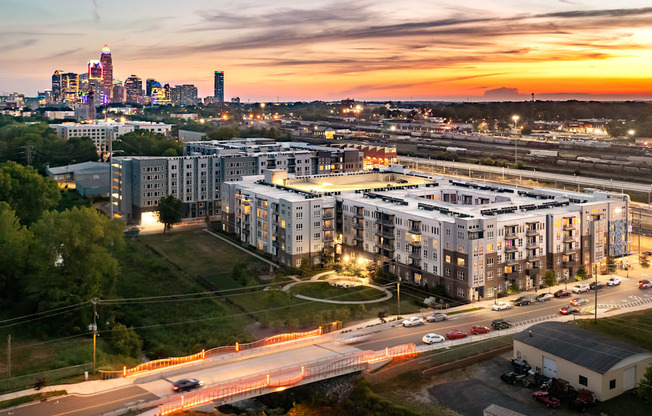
{"x": 544, "y": 297}
{"x": 567, "y": 310}
{"x": 187, "y": 384}
{"x": 500, "y": 324}
{"x": 479, "y": 329}
{"x": 562, "y": 293}
{"x": 413, "y": 321}
{"x": 579, "y": 302}
{"x": 511, "y": 377}
{"x": 501, "y": 306}
{"x": 436, "y": 317}
{"x": 520, "y": 366}
{"x": 521, "y": 301}
{"x": 644, "y": 284}
{"x": 614, "y": 281}
{"x": 580, "y": 288}
{"x": 546, "y": 398}
{"x": 595, "y": 285}
{"x": 432, "y": 338}
{"x": 456, "y": 334}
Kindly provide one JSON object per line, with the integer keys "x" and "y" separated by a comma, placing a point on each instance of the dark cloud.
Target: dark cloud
{"x": 17, "y": 45}
{"x": 64, "y": 53}
{"x": 599, "y": 13}
{"x": 503, "y": 93}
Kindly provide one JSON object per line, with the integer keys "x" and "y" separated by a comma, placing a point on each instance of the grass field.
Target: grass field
{"x": 323, "y": 290}
{"x": 200, "y": 254}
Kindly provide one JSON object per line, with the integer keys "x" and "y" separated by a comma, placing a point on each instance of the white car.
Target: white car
{"x": 432, "y": 338}
{"x": 614, "y": 281}
{"x": 501, "y": 306}
{"x": 414, "y": 321}
{"x": 580, "y": 288}
{"x": 436, "y": 317}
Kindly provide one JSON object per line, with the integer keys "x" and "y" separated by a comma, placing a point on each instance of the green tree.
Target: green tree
{"x": 644, "y": 260}
{"x": 513, "y": 289}
{"x": 580, "y": 274}
{"x": 27, "y": 192}
{"x": 644, "y": 389}
{"x": 15, "y": 240}
{"x": 125, "y": 340}
{"x": 73, "y": 257}
{"x": 169, "y": 211}
{"x": 550, "y": 279}
{"x": 611, "y": 265}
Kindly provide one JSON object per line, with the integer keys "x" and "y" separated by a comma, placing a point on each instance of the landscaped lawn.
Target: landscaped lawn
{"x": 323, "y": 290}
{"x": 201, "y": 254}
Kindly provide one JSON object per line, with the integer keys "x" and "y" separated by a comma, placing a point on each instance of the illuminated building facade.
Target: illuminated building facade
{"x": 95, "y": 85}
{"x": 184, "y": 95}
{"x": 134, "y": 89}
{"x": 107, "y": 74}
{"x": 219, "y": 86}
{"x": 118, "y": 92}
{"x": 70, "y": 87}
{"x": 56, "y": 86}
{"x": 149, "y": 84}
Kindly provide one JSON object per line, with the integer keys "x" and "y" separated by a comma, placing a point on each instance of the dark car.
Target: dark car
{"x": 500, "y": 324}
{"x": 521, "y": 301}
{"x": 546, "y": 398}
{"x": 562, "y": 293}
{"x": 187, "y": 384}
{"x": 644, "y": 284}
{"x": 511, "y": 377}
{"x": 595, "y": 285}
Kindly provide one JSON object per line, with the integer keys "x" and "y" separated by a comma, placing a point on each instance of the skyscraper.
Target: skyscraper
{"x": 149, "y": 84}
{"x": 107, "y": 74}
{"x": 219, "y": 86}
{"x": 118, "y": 93}
{"x": 70, "y": 87}
{"x": 134, "y": 89}
{"x": 184, "y": 95}
{"x": 95, "y": 81}
{"x": 56, "y": 85}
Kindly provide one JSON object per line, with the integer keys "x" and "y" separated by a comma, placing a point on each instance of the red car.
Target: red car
{"x": 545, "y": 398}
{"x": 456, "y": 334}
{"x": 562, "y": 293}
{"x": 479, "y": 329}
{"x": 566, "y": 310}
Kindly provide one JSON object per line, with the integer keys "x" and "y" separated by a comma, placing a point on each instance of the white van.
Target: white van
{"x": 580, "y": 288}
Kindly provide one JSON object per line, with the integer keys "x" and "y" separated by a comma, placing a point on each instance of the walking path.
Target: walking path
{"x": 317, "y": 278}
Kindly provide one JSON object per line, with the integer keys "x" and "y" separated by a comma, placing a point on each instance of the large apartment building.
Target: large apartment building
{"x": 473, "y": 239}
{"x": 197, "y": 177}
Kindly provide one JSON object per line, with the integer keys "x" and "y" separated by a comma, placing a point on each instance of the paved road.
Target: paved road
{"x": 625, "y": 293}
{"x": 535, "y": 175}
{"x": 90, "y": 405}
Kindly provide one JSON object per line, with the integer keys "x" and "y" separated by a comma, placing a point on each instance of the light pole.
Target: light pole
{"x": 596, "y": 292}
{"x": 515, "y": 118}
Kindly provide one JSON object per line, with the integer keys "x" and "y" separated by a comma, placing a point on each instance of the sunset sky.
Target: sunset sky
{"x": 322, "y": 50}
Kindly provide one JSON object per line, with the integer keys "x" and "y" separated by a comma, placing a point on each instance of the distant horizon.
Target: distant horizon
{"x": 331, "y": 49}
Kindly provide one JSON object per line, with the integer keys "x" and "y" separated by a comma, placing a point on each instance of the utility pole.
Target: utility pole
{"x": 110, "y": 176}
{"x": 398, "y": 295}
{"x": 94, "y": 302}
{"x": 9, "y": 356}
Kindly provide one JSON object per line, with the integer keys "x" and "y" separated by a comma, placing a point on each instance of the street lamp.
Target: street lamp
{"x": 515, "y": 118}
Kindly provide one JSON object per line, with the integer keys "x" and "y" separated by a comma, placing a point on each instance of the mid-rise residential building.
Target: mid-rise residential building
{"x": 475, "y": 240}
{"x": 100, "y": 132}
{"x": 184, "y": 95}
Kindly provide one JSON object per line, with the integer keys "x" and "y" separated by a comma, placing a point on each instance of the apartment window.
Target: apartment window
{"x": 460, "y": 291}
{"x": 448, "y": 232}
{"x": 317, "y": 236}
{"x": 299, "y": 238}
{"x": 584, "y": 381}
{"x": 490, "y": 275}
{"x": 490, "y": 248}
{"x": 460, "y": 262}
{"x": 299, "y": 227}
{"x": 490, "y": 261}
{"x": 447, "y": 271}
{"x": 448, "y": 259}
{"x": 460, "y": 275}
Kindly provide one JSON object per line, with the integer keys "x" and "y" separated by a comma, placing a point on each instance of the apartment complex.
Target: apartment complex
{"x": 100, "y": 132}
{"x": 197, "y": 177}
{"x": 473, "y": 239}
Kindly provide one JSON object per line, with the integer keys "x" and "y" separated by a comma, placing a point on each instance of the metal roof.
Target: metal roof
{"x": 580, "y": 346}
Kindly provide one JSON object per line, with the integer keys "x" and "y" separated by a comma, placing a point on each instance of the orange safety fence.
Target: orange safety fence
{"x": 169, "y": 362}
{"x": 284, "y": 378}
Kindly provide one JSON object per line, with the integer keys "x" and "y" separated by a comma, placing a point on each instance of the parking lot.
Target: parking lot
{"x": 469, "y": 390}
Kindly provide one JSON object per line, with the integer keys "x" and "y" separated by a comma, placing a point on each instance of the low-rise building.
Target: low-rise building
{"x": 584, "y": 358}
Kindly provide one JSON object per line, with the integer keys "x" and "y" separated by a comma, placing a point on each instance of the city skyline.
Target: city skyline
{"x": 489, "y": 51}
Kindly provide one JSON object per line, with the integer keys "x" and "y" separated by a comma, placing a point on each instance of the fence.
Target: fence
{"x": 264, "y": 383}
{"x": 28, "y": 381}
{"x": 172, "y": 361}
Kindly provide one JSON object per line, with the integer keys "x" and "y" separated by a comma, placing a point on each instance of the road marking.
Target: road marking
{"x": 101, "y": 404}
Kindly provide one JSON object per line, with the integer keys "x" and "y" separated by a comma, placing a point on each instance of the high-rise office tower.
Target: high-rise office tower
{"x": 149, "y": 84}
{"x": 134, "y": 89}
{"x": 83, "y": 83}
{"x": 56, "y": 85}
{"x": 184, "y": 95}
{"x": 219, "y": 86}
{"x": 95, "y": 81}
{"x": 70, "y": 87}
{"x": 118, "y": 93}
{"x": 107, "y": 74}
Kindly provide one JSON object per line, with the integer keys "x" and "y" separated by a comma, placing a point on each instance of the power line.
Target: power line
{"x": 44, "y": 312}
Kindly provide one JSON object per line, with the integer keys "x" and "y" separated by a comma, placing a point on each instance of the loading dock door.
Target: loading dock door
{"x": 629, "y": 379}
{"x": 549, "y": 367}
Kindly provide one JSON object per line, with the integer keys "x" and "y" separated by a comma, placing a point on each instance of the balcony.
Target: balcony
{"x": 385, "y": 245}
{"x": 328, "y": 225}
{"x": 327, "y": 214}
{"x": 570, "y": 263}
{"x": 328, "y": 237}
{"x": 415, "y": 254}
{"x": 568, "y": 238}
{"x": 534, "y": 271}
{"x": 359, "y": 212}
{"x": 384, "y": 220}
{"x": 385, "y": 234}
{"x": 415, "y": 263}
{"x": 532, "y": 256}
{"x": 531, "y": 232}
{"x": 415, "y": 230}
{"x": 511, "y": 249}
{"x": 415, "y": 243}
{"x": 358, "y": 225}
{"x": 512, "y": 275}
{"x": 512, "y": 261}
{"x": 569, "y": 227}
{"x": 532, "y": 245}
{"x": 509, "y": 234}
